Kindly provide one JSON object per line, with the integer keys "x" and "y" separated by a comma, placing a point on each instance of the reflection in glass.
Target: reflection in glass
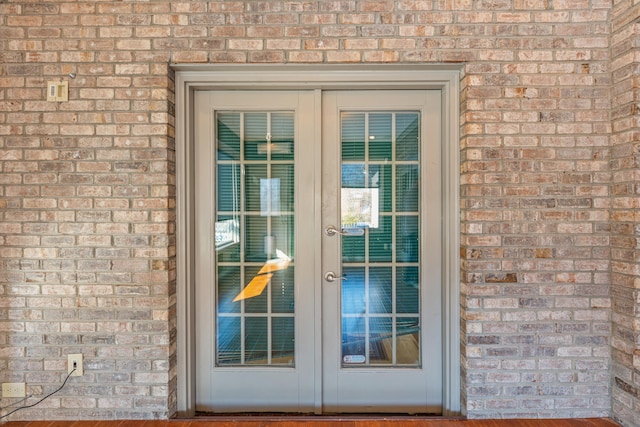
{"x": 380, "y": 299}
{"x": 229, "y": 340}
{"x": 254, "y": 236}
{"x": 255, "y": 338}
{"x": 352, "y": 129}
{"x": 380, "y": 136}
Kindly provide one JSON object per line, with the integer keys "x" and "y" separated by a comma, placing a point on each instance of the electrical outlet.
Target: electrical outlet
{"x": 75, "y": 361}
{"x": 14, "y": 390}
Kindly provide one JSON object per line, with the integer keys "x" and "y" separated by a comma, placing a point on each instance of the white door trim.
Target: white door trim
{"x": 321, "y": 77}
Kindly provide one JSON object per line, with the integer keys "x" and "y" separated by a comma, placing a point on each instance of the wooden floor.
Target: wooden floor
{"x": 322, "y": 422}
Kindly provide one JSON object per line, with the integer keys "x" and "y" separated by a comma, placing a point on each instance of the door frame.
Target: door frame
{"x": 190, "y": 78}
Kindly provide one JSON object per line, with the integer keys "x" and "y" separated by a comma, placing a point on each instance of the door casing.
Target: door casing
{"x": 190, "y": 78}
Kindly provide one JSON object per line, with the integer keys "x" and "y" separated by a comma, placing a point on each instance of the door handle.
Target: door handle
{"x": 331, "y": 230}
{"x": 330, "y": 276}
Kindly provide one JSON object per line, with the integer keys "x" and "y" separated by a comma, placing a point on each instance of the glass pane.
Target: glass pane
{"x": 254, "y": 239}
{"x": 258, "y": 303}
{"x": 254, "y": 176}
{"x": 380, "y": 287}
{"x": 283, "y": 340}
{"x": 284, "y": 175}
{"x": 407, "y": 190}
{"x": 408, "y": 136}
{"x": 353, "y": 248}
{"x": 229, "y": 178}
{"x": 383, "y": 180}
{"x": 282, "y": 133}
{"x": 354, "y": 175}
{"x": 381, "y": 343}
{"x": 353, "y": 136}
{"x": 255, "y": 136}
{"x": 407, "y": 291}
{"x": 380, "y": 194}
{"x": 353, "y": 290}
{"x": 228, "y": 136}
{"x": 227, "y": 237}
{"x": 381, "y": 241}
{"x": 353, "y": 341}
{"x": 407, "y": 239}
{"x": 408, "y": 341}
{"x": 281, "y": 241}
{"x": 228, "y": 288}
{"x": 229, "y": 341}
{"x": 256, "y": 341}
{"x": 282, "y": 291}
{"x": 380, "y": 136}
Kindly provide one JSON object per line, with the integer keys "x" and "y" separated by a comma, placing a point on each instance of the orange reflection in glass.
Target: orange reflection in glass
{"x": 260, "y": 281}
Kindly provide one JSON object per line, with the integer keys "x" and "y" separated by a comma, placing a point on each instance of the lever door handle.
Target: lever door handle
{"x": 330, "y": 276}
{"x": 331, "y": 230}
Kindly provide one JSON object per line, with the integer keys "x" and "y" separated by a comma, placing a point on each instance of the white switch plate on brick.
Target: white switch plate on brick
{"x": 14, "y": 390}
{"x": 77, "y": 359}
{"x": 58, "y": 91}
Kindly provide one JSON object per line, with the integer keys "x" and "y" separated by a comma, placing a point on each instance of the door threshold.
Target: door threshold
{"x": 269, "y": 416}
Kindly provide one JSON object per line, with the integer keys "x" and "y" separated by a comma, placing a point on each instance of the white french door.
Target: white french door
{"x": 318, "y": 251}
{"x": 254, "y": 263}
{"x": 382, "y": 339}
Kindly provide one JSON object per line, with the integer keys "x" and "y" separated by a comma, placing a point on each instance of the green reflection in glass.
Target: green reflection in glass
{"x": 228, "y": 288}
{"x": 407, "y": 239}
{"x": 407, "y": 188}
{"x": 408, "y": 136}
{"x": 283, "y": 345}
{"x": 228, "y": 136}
{"x": 282, "y": 134}
{"x": 353, "y": 131}
{"x": 353, "y": 248}
{"x": 407, "y": 290}
{"x": 256, "y": 341}
{"x": 254, "y": 224}
{"x": 255, "y": 233}
{"x": 255, "y": 136}
{"x": 380, "y": 128}
{"x": 383, "y": 178}
{"x": 380, "y": 154}
{"x": 229, "y": 179}
{"x": 253, "y": 176}
{"x": 229, "y": 345}
{"x": 380, "y": 241}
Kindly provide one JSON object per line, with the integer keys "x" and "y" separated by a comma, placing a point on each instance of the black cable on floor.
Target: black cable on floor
{"x": 41, "y": 400}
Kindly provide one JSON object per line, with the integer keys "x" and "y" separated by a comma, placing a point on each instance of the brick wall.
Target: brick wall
{"x": 86, "y": 186}
{"x": 86, "y": 231}
{"x": 625, "y": 163}
{"x": 535, "y": 198}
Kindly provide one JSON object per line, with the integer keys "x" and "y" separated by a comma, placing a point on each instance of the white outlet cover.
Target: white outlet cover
{"x": 79, "y": 365}
{"x": 14, "y": 390}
